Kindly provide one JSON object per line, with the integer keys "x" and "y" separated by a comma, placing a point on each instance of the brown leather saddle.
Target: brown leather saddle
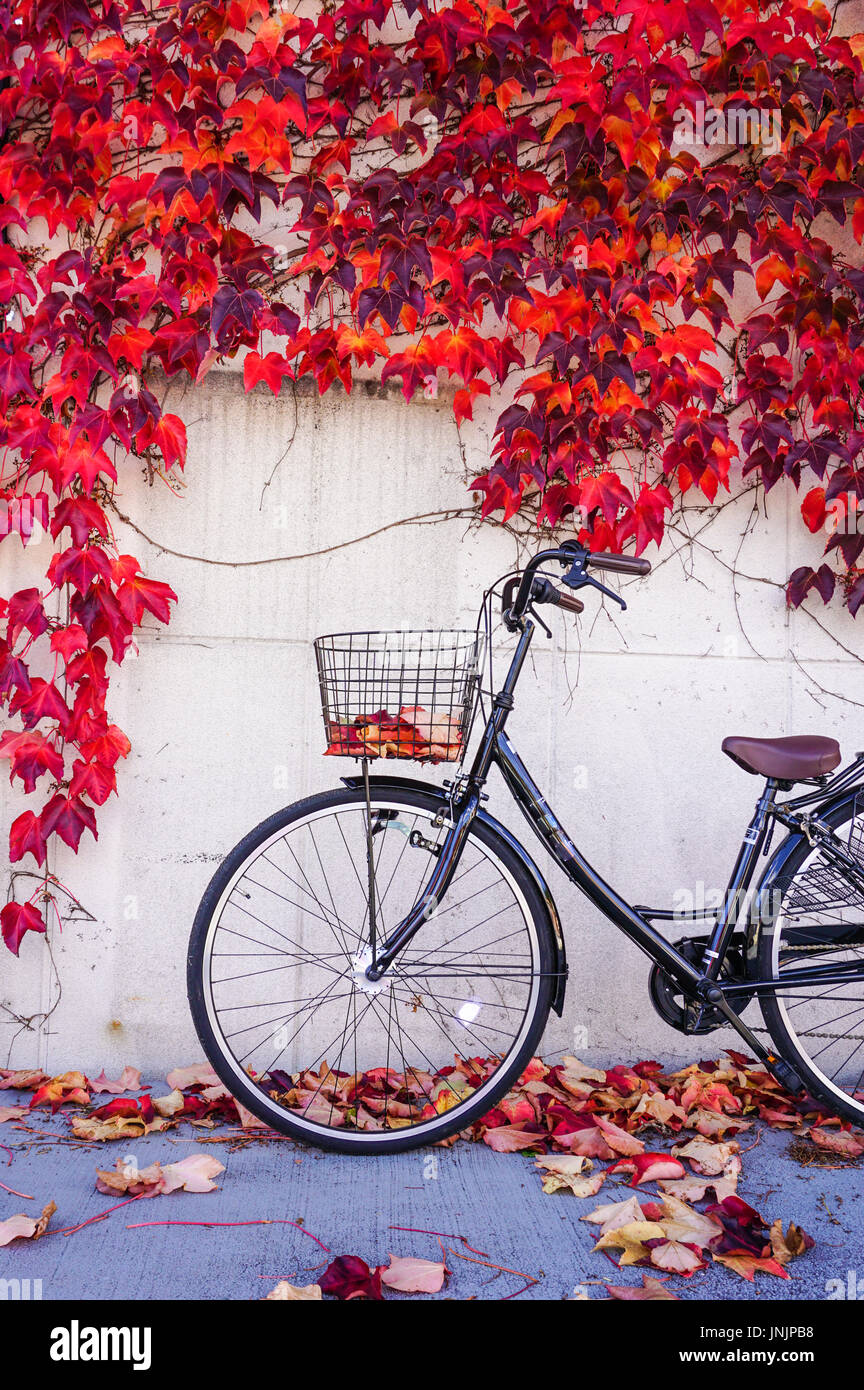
{"x": 788, "y": 759}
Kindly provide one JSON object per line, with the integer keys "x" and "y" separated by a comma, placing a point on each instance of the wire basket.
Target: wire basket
{"x": 398, "y": 694}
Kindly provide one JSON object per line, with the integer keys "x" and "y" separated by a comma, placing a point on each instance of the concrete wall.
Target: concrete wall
{"x": 620, "y": 718}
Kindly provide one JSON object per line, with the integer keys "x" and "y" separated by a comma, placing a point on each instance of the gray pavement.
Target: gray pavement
{"x": 493, "y": 1200}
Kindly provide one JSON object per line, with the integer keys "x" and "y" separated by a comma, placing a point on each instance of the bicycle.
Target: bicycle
{"x": 372, "y": 968}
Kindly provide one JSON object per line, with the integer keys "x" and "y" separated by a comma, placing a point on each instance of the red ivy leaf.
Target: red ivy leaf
{"x": 16, "y": 920}
{"x": 93, "y": 779}
{"x": 68, "y": 641}
{"x": 25, "y": 837}
{"x": 138, "y": 593}
{"x": 68, "y": 817}
{"x": 26, "y": 611}
{"x": 272, "y": 369}
{"x": 30, "y": 756}
{"x": 42, "y": 701}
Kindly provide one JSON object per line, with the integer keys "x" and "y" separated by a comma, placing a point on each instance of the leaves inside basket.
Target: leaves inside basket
{"x": 414, "y": 732}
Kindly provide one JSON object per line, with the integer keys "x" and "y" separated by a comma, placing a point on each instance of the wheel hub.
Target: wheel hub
{"x": 359, "y": 965}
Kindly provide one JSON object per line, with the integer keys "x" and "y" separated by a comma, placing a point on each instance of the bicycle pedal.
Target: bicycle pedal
{"x": 786, "y": 1075}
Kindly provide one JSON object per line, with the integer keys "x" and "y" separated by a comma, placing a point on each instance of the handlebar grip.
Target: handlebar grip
{"x": 620, "y": 564}
{"x": 570, "y": 602}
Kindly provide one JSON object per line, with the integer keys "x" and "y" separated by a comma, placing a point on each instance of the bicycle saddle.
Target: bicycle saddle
{"x": 789, "y": 759}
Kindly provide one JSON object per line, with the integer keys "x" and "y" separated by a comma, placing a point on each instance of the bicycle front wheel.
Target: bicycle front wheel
{"x": 281, "y": 1002}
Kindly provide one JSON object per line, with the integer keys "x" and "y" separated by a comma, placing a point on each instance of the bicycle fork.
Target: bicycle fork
{"x": 432, "y": 895}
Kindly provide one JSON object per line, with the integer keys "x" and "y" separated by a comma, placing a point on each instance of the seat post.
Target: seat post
{"x": 739, "y": 882}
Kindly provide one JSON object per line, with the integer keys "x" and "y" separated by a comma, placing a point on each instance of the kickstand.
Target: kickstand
{"x": 370, "y": 857}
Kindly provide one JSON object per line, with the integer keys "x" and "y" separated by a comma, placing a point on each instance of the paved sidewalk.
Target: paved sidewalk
{"x": 494, "y": 1200}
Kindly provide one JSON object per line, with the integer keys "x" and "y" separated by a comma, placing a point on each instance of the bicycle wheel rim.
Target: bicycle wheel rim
{"x": 508, "y": 1065}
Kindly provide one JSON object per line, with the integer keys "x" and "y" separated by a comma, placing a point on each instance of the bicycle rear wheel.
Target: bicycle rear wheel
{"x": 816, "y": 917}
{"x": 281, "y": 1002}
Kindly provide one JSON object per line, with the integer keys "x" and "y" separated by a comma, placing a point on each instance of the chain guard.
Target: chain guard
{"x": 693, "y": 1016}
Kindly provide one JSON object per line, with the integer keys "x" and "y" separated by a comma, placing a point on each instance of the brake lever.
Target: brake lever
{"x": 610, "y": 593}
{"x": 576, "y": 578}
{"x": 536, "y": 616}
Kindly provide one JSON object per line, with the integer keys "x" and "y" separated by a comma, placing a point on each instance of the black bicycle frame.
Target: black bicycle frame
{"x": 706, "y": 984}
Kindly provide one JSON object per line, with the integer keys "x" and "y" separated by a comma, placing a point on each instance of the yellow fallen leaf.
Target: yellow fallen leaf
{"x": 630, "y": 1240}
{"x": 587, "y": 1186}
{"x": 294, "y": 1293}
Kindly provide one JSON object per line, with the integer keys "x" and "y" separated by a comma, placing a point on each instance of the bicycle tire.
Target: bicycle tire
{"x": 244, "y": 1088}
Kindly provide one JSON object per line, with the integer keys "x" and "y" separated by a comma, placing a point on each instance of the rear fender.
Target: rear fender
{"x": 383, "y": 781}
{"x": 761, "y": 910}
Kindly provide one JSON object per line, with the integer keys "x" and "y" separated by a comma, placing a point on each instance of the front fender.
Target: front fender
{"x": 384, "y": 780}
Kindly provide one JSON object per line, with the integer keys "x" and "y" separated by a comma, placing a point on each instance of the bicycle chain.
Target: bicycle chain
{"x": 840, "y": 1037}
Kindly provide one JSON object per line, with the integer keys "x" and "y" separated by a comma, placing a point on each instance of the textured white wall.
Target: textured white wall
{"x": 222, "y": 706}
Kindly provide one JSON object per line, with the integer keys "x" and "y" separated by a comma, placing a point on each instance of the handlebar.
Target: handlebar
{"x": 579, "y": 559}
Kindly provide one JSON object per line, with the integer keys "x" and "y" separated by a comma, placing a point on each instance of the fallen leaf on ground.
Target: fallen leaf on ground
{"x": 21, "y": 1080}
{"x": 574, "y": 1070}
{"x": 587, "y": 1186}
{"x": 650, "y": 1290}
{"x": 789, "y": 1246}
{"x": 649, "y": 1168}
{"x": 191, "y": 1174}
{"x": 618, "y": 1139}
{"x": 694, "y": 1189}
{"x": 682, "y": 1222}
{"x": 250, "y": 1121}
{"x": 127, "y": 1180}
{"x": 588, "y": 1143}
{"x": 838, "y": 1142}
{"x": 200, "y": 1075}
{"x": 571, "y": 1172}
{"x": 349, "y": 1277}
{"x": 129, "y": 1080}
{"x": 409, "y": 1275}
{"x": 169, "y": 1105}
{"x": 676, "y": 1257}
{"x": 630, "y": 1240}
{"x": 707, "y": 1157}
{"x": 12, "y": 1112}
{"x": 714, "y": 1125}
{"x": 505, "y": 1139}
{"x": 115, "y": 1127}
{"x": 615, "y": 1214}
{"x": 70, "y": 1088}
{"x": 291, "y": 1293}
{"x": 21, "y": 1227}
{"x": 746, "y": 1264}
{"x": 661, "y": 1110}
